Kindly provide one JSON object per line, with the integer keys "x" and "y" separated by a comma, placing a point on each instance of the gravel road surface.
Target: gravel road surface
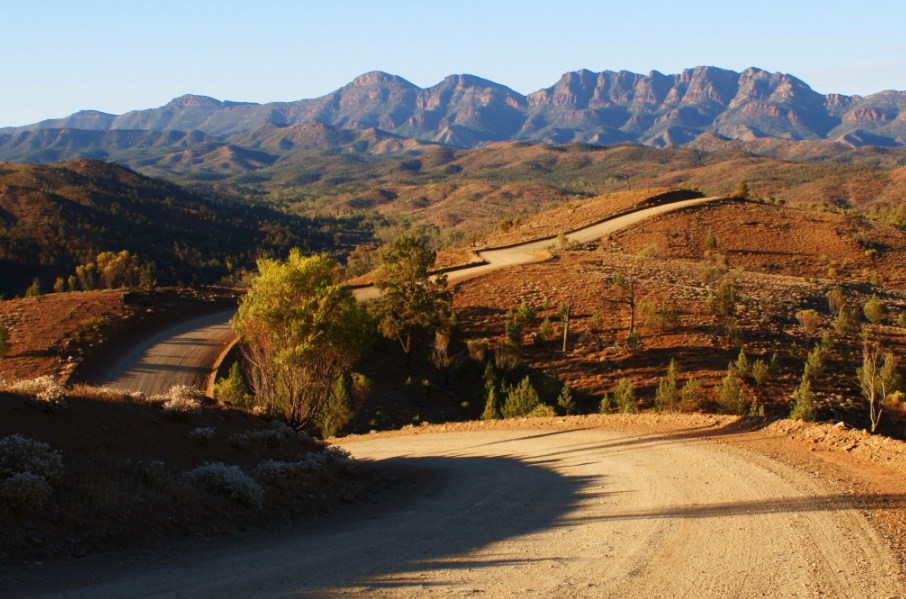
{"x": 544, "y": 513}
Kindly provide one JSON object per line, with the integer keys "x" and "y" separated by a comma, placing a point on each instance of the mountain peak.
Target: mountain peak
{"x": 373, "y": 78}
{"x": 191, "y": 100}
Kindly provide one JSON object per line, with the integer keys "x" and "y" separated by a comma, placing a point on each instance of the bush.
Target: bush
{"x": 761, "y": 372}
{"x": 666, "y": 398}
{"x": 19, "y": 454}
{"x": 541, "y": 411}
{"x": 846, "y": 321}
{"x": 565, "y": 401}
{"x": 731, "y": 396}
{"x": 232, "y": 389}
{"x": 202, "y": 434}
{"x": 521, "y": 400}
{"x": 809, "y": 320}
{"x": 337, "y": 411}
{"x": 228, "y": 481}
{"x": 272, "y": 437}
{"x": 180, "y": 401}
{"x": 478, "y": 348}
{"x": 803, "y": 401}
{"x": 314, "y": 462}
{"x": 691, "y": 396}
{"x": 45, "y": 390}
{"x": 24, "y": 491}
{"x": 623, "y": 396}
{"x": 874, "y": 310}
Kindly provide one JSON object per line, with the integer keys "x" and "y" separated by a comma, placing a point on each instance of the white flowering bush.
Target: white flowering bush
{"x": 228, "y": 481}
{"x": 271, "y": 437}
{"x": 180, "y": 401}
{"x": 44, "y": 389}
{"x": 202, "y": 433}
{"x": 27, "y": 467}
{"x": 25, "y": 490}
{"x": 21, "y": 454}
{"x": 271, "y": 471}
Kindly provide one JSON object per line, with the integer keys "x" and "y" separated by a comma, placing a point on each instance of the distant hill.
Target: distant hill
{"x": 466, "y": 111}
{"x": 53, "y": 218}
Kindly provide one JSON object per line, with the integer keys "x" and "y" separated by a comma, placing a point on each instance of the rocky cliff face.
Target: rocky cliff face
{"x": 583, "y": 106}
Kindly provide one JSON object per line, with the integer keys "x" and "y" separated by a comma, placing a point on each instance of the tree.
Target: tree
{"x": 741, "y": 190}
{"x": 410, "y": 298}
{"x": 565, "y": 401}
{"x": 232, "y": 388}
{"x": 877, "y": 378}
{"x": 623, "y": 288}
{"x": 874, "y": 310}
{"x": 299, "y": 331}
{"x": 521, "y": 400}
{"x": 667, "y": 397}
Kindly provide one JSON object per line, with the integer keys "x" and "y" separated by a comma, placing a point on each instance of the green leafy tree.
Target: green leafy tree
{"x": 410, "y": 298}
{"x": 232, "y": 388}
{"x": 299, "y": 331}
{"x": 877, "y": 378}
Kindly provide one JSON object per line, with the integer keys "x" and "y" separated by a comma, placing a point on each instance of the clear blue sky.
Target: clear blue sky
{"x": 60, "y": 56}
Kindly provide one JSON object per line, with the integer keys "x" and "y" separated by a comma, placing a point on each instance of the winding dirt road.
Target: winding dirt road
{"x": 186, "y": 353}
{"x": 552, "y": 513}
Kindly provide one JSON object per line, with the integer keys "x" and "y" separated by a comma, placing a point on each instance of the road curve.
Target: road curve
{"x": 547, "y": 513}
{"x": 186, "y": 353}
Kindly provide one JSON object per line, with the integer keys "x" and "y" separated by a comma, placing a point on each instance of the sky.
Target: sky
{"x": 61, "y": 56}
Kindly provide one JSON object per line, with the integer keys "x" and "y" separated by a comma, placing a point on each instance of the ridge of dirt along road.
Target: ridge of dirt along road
{"x": 552, "y": 513}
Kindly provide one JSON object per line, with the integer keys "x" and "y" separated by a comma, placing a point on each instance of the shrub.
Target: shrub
{"x": 546, "y": 330}
{"x": 803, "y": 401}
{"x": 761, "y": 372}
{"x": 565, "y": 401}
{"x": 874, "y": 310}
{"x": 901, "y": 321}
{"x": 20, "y": 454}
{"x": 606, "y": 405}
{"x": 492, "y": 403}
{"x": 478, "y": 348}
{"x": 336, "y": 412}
{"x": 24, "y": 491}
{"x": 45, "y": 390}
{"x": 202, "y": 434}
{"x": 314, "y": 462}
{"x": 742, "y": 363}
{"x": 542, "y": 410}
{"x": 521, "y": 400}
{"x": 624, "y": 396}
{"x": 232, "y": 388}
{"x": 508, "y": 355}
{"x": 271, "y": 437}
{"x": 666, "y": 398}
{"x": 227, "y": 481}
{"x": 525, "y": 313}
{"x": 809, "y": 321}
{"x": 180, "y": 401}
{"x": 731, "y": 396}
{"x": 835, "y": 300}
{"x": 846, "y": 321}
{"x": 691, "y": 396}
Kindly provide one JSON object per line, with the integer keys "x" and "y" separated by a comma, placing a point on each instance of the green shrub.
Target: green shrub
{"x": 742, "y": 363}
{"x": 520, "y": 400}
{"x": 624, "y": 398}
{"x": 874, "y": 310}
{"x": 731, "y": 397}
{"x": 691, "y": 396}
{"x": 667, "y": 397}
{"x": 478, "y": 348}
{"x": 232, "y": 388}
{"x": 761, "y": 372}
{"x": 336, "y": 412}
{"x": 565, "y": 401}
{"x": 803, "y": 401}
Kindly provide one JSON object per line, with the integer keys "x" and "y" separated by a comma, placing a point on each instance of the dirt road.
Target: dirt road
{"x": 546, "y": 513}
{"x": 185, "y": 354}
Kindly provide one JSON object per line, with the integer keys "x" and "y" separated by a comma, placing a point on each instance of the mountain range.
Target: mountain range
{"x": 382, "y": 113}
